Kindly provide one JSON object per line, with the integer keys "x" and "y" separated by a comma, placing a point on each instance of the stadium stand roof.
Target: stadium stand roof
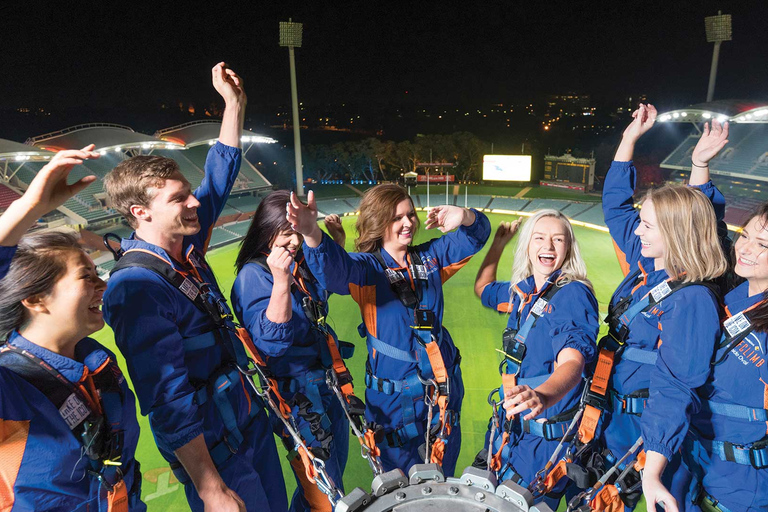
{"x": 733, "y": 111}
{"x": 106, "y": 137}
{"x": 196, "y": 133}
{"x": 15, "y": 151}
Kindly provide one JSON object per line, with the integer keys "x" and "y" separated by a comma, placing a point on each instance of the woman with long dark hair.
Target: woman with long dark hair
{"x": 68, "y": 429}
{"x": 276, "y": 298}
{"x": 399, "y": 289}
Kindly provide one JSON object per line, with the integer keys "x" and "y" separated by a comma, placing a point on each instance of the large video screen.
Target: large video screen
{"x": 507, "y": 167}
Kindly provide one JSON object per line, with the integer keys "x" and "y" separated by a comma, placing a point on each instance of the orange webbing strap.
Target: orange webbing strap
{"x": 245, "y": 338}
{"x": 441, "y": 377}
{"x": 117, "y": 498}
{"x": 599, "y": 386}
{"x": 369, "y": 438}
{"x": 306, "y": 460}
{"x": 640, "y": 461}
{"x": 607, "y": 499}
{"x": 554, "y": 476}
{"x": 339, "y": 366}
{"x": 508, "y": 381}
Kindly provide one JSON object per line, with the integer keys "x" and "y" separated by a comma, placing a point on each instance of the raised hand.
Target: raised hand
{"x": 228, "y": 84}
{"x": 336, "y": 230}
{"x": 447, "y": 218}
{"x": 506, "y": 232}
{"x": 303, "y": 218}
{"x": 710, "y": 143}
{"x": 644, "y": 118}
{"x": 49, "y": 189}
{"x": 279, "y": 262}
{"x": 522, "y": 398}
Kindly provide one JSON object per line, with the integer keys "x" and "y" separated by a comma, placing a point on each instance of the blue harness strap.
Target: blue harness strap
{"x": 639, "y": 355}
{"x": 748, "y": 456}
{"x": 390, "y": 351}
{"x": 741, "y": 412}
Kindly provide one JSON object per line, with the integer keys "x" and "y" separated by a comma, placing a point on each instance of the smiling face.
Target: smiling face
{"x": 289, "y": 240}
{"x": 73, "y": 306}
{"x": 400, "y": 232}
{"x": 548, "y": 248}
{"x": 650, "y": 235}
{"x": 172, "y": 211}
{"x": 751, "y": 250}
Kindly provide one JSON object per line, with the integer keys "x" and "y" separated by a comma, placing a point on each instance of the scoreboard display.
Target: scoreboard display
{"x": 567, "y": 170}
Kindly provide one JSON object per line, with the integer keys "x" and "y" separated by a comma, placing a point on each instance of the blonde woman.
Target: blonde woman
{"x": 550, "y": 336}
{"x": 664, "y": 323}
{"x": 399, "y": 289}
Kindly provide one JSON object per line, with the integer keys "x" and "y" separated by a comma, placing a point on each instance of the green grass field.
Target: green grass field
{"x": 475, "y": 329}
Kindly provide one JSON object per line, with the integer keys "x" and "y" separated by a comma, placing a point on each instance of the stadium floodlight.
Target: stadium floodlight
{"x": 146, "y": 145}
{"x": 706, "y": 115}
{"x": 719, "y": 29}
{"x": 118, "y": 149}
{"x": 291, "y": 36}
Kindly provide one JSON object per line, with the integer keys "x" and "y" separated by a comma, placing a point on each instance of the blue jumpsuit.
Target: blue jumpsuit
{"x": 152, "y": 319}
{"x": 684, "y": 324}
{"x": 33, "y": 433}
{"x": 395, "y": 397}
{"x": 297, "y": 355}
{"x": 741, "y": 379}
{"x": 570, "y": 321}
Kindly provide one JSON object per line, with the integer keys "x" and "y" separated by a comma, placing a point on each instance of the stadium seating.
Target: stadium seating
{"x": 7, "y": 196}
{"x": 507, "y": 203}
{"x": 244, "y": 204}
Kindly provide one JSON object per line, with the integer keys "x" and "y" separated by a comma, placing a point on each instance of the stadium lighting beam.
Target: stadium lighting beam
{"x": 291, "y": 36}
{"x": 718, "y": 29}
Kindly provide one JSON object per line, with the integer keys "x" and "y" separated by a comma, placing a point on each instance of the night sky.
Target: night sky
{"x": 103, "y": 54}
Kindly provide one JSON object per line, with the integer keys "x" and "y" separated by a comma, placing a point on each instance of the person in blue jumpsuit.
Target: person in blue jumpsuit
{"x": 725, "y": 448}
{"x": 272, "y": 304}
{"x": 183, "y": 356}
{"x": 50, "y": 294}
{"x": 558, "y": 345}
{"x": 389, "y": 285}
{"x": 668, "y": 346}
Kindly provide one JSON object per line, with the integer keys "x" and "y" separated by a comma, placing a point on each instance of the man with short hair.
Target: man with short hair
{"x": 172, "y": 324}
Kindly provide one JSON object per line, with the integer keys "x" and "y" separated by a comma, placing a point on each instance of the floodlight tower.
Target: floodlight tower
{"x": 290, "y": 36}
{"x": 718, "y": 30}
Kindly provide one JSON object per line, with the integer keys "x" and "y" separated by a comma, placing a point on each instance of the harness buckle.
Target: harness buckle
{"x": 423, "y": 318}
{"x": 596, "y": 400}
{"x": 758, "y": 458}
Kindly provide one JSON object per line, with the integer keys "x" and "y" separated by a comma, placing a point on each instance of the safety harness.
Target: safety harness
{"x": 431, "y": 379}
{"x": 513, "y": 343}
{"x": 736, "y": 329}
{"x": 242, "y": 360}
{"x": 598, "y": 398}
{"x": 337, "y": 377}
{"x": 91, "y": 409}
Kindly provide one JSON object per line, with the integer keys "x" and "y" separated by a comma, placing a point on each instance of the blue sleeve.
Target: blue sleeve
{"x": 619, "y": 210}
{"x": 495, "y": 293}
{"x": 139, "y": 307}
{"x": 718, "y": 203}
{"x": 250, "y": 299}
{"x": 690, "y": 330}
{"x": 453, "y": 250}
{"x": 575, "y": 321}
{"x": 221, "y": 168}
{"x": 6, "y": 255}
{"x": 333, "y": 267}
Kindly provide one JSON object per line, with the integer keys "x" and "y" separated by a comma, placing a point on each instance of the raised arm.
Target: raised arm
{"x": 335, "y": 229}
{"x": 230, "y": 86}
{"x": 466, "y": 232}
{"x": 47, "y": 191}
{"x": 709, "y": 145}
{"x": 488, "y": 268}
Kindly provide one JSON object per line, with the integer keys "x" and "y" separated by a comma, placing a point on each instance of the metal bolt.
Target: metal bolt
{"x": 426, "y": 491}
{"x": 480, "y": 496}
{"x": 453, "y": 491}
{"x": 383, "y": 490}
{"x": 400, "y": 496}
{"x": 418, "y": 480}
{"x": 469, "y": 482}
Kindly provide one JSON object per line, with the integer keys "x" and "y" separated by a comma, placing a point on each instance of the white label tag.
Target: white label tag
{"x": 73, "y": 411}
{"x": 419, "y": 272}
{"x": 660, "y": 291}
{"x": 539, "y": 307}
{"x": 189, "y": 289}
{"x": 394, "y": 276}
{"x": 736, "y": 325}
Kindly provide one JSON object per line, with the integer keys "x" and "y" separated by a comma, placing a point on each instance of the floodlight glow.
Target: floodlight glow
{"x": 722, "y": 119}
{"x": 684, "y": 114}
{"x": 507, "y": 167}
{"x": 170, "y": 146}
{"x": 263, "y": 140}
{"x": 665, "y": 117}
{"x": 21, "y": 158}
{"x": 706, "y": 115}
{"x": 118, "y": 149}
{"x": 675, "y": 115}
{"x": 146, "y": 145}
{"x": 211, "y": 142}
{"x": 103, "y": 152}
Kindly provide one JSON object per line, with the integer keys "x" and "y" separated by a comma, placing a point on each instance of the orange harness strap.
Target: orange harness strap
{"x": 508, "y": 381}
{"x": 607, "y": 499}
{"x": 441, "y": 377}
{"x": 245, "y": 338}
{"x": 598, "y": 386}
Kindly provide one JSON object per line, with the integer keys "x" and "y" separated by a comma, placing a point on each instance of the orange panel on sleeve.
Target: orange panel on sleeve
{"x": 365, "y": 296}
{"x": 447, "y": 272}
{"x": 622, "y": 259}
{"x": 13, "y": 441}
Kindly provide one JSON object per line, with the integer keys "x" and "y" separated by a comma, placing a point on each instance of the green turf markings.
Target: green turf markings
{"x": 476, "y": 330}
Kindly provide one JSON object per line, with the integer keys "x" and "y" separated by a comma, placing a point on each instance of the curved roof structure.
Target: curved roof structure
{"x": 196, "y": 133}
{"x": 733, "y": 111}
{"x": 15, "y": 151}
{"x": 105, "y": 136}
